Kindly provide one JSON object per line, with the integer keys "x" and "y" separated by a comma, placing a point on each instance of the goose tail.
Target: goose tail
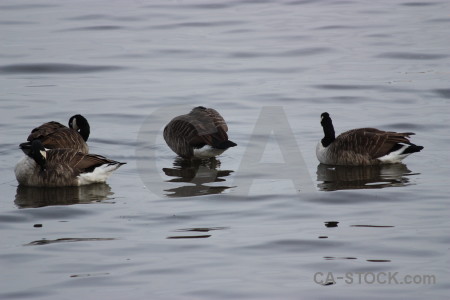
{"x": 225, "y": 145}
{"x": 100, "y": 173}
{"x": 412, "y": 149}
{"x": 400, "y": 152}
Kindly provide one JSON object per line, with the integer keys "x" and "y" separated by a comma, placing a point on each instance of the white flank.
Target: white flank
{"x": 100, "y": 174}
{"x": 24, "y": 170}
{"x": 394, "y": 157}
{"x": 321, "y": 153}
{"x": 207, "y": 152}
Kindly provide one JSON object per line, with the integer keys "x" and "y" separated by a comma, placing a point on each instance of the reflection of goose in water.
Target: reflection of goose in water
{"x": 27, "y": 197}
{"x": 334, "y": 178}
{"x": 196, "y": 173}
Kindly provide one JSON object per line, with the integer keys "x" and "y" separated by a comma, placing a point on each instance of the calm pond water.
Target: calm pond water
{"x": 263, "y": 219}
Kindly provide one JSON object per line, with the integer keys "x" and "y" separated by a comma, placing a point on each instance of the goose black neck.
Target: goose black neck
{"x": 328, "y": 130}
{"x": 36, "y": 154}
{"x": 85, "y": 132}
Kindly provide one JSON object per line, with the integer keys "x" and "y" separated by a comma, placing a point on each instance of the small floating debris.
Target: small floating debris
{"x": 378, "y": 260}
{"x": 333, "y": 258}
{"x": 205, "y": 229}
{"x": 190, "y": 236}
{"x": 88, "y": 275}
{"x": 37, "y": 225}
{"x": 331, "y": 224}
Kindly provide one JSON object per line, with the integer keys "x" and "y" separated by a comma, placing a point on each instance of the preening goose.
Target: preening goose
{"x": 202, "y": 133}
{"x": 364, "y": 146}
{"x": 62, "y": 167}
{"x": 54, "y": 135}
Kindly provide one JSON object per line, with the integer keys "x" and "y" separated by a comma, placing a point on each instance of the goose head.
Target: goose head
{"x": 81, "y": 125}
{"x": 324, "y": 118}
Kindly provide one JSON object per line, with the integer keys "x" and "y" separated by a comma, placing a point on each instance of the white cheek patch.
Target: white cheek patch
{"x": 43, "y": 153}
{"x": 74, "y": 124}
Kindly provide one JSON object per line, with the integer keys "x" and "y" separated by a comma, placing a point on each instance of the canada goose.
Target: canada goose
{"x": 62, "y": 167}
{"x": 364, "y": 146}
{"x": 202, "y": 133}
{"x": 54, "y": 135}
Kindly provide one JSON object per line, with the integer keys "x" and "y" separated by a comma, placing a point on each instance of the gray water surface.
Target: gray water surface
{"x": 262, "y": 219}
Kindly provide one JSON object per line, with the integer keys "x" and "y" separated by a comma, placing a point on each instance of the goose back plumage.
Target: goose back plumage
{"x": 54, "y": 135}
{"x": 201, "y": 127}
{"x": 63, "y": 167}
{"x": 363, "y": 146}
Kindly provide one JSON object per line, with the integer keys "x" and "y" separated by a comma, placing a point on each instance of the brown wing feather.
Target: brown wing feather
{"x": 54, "y": 135}
{"x": 89, "y": 161}
{"x": 44, "y": 130}
{"x": 76, "y": 161}
{"x": 209, "y": 125}
{"x": 370, "y": 141}
{"x": 201, "y": 126}
{"x": 217, "y": 119}
{"x": 64, "y": 165}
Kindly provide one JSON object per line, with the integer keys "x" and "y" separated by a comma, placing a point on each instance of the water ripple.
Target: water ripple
{"x": 16, "y": 23}
{"x": 66, "y": 240}
{"x": 38, "y": 68}
{"x": 412, "y": 56}
{"x": 281, "y": 70}
{"x": 439, "y": 20}
{"x": 444, "y": 93}
{"x": 96, "y": 17}
{"x": 335, "y": 27}
{"x": 345, "y": 197}
{"x": 198, "y": 24}
{"x": 95, "y": 28}
{"x": 419, "y": 4}
{"x": 27, "y": 294}
{"x": 291, "y": 53}
{"x": 89, "y": 17}
{"x": 344, "y": 87}
{"x": 210, "y": 5}
{"x": 26, "y": 6}
{"x": 294, "y": 245}
{"x": 301, "y": 2}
